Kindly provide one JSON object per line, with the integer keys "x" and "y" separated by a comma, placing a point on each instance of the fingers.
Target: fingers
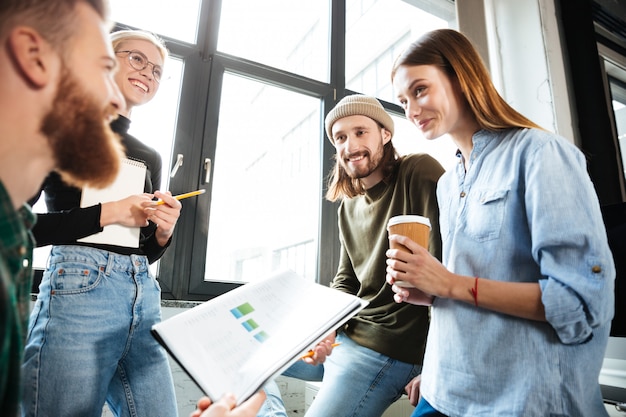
{"x": 164, "y": 215}
{"x": 202, "y": 404}
{"x": 319, "y": 353}
{"x": 221, "y": 408}
{"x": 406, "y": 242}
{"x": 165, "y": 218}
{"x": 225, "y": 407}
{"x": 401, "y": 295}
{"x": 167, "y": 198}
{"x": 413, "y": 390}
{"x": 251, "y": 407}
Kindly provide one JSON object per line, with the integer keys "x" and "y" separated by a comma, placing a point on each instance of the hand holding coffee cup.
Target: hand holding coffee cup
{"x": 416, "y": 228}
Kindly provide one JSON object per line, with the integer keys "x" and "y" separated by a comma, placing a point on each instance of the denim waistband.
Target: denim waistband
{"x": 110, "y": 261}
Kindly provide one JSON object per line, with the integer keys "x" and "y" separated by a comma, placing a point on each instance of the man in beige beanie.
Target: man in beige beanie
{"x": 358, "y": 104}
{"x": 382, "y": 347}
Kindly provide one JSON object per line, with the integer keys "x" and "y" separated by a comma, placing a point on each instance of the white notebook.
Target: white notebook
{"x": 130, "y": 180}
{"x": 238, "y": 341}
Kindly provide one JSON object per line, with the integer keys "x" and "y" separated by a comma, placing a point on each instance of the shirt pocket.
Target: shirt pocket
{"x": 486, "y": 214}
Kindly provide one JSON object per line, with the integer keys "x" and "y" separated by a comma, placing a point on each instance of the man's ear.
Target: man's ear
{"x": 386, "y": 136}
{"x": 31, "y": 54}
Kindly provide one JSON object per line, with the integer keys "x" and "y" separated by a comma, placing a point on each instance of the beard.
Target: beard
{"x": 85, "y": 149}
{"x": 374, "y": 159}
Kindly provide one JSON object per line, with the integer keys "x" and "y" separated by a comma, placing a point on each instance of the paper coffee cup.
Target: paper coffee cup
{"x": 416, "y": 228}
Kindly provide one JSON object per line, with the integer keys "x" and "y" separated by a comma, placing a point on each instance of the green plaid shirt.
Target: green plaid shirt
{"x": 16, "y": 255}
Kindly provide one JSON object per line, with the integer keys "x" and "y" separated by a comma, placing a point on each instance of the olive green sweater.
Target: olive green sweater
{"x": 396, "y": 330}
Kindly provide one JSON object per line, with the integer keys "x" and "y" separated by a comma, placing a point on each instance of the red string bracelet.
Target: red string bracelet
{"x": 474, "y": 291}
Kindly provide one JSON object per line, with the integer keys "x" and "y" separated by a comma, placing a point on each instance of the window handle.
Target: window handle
{"x": 207, "y": 170}
{"x": 177, "y": 164}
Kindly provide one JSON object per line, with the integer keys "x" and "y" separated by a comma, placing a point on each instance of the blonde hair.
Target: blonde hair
{"x": 120, "y": 36}
{"x": 451, "y": 51}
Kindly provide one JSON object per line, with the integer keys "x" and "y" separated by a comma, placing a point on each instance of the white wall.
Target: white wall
{"x": 519, "y": 39}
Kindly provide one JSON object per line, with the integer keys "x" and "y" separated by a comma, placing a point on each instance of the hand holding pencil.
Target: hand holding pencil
{"x": 311, "y": 352}
{"x": 165, "y": 213}
{"x": 182, "y": 196}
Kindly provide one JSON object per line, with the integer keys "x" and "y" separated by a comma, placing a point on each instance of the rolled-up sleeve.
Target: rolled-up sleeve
{"x": 570, "y": 245}
{"x": 573, "y": 312}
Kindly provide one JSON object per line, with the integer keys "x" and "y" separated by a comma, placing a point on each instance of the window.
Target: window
{"x": 289, "y": 35}
{"x": 172, "y": 19}
{"x": 265, "y": 183}
{"x": 616, "y": 76}
{"x": 407, "y": 139}
{"x": 242, "y": 104}
{"x": 376, "y": 32}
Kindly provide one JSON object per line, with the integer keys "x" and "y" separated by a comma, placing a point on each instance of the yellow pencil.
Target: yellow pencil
{"x": 311, "y": 353}
{"x": 185, "y": 195}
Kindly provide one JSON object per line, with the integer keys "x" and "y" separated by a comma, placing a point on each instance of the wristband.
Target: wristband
{"x": 474, "y": 291}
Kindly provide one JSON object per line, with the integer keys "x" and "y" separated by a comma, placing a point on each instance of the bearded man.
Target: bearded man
{"x": 382, "y": 347}
{"x": 57, "y": 97}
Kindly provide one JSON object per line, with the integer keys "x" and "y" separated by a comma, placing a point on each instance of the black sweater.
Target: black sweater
{"x": 66, "y": 222}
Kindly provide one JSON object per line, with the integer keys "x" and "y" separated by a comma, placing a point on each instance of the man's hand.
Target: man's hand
{"x": 225, "y": 407}
{"x": 413, "y": 390}
{"x": 321, "y": 351}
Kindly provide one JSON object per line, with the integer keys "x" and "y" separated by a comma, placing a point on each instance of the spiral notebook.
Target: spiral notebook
{"x": 130, "y": 180}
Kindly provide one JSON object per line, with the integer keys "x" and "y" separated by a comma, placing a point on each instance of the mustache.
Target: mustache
{"x": 349, "y": 155}
{"x": 86, "y": 150}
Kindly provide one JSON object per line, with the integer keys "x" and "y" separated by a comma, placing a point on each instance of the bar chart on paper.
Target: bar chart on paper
{"x": 243, "y": 313}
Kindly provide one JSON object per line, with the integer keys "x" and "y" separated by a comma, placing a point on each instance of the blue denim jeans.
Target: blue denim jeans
{"x": 357, "y": 381}
{"x": 424, "y": 409}
{"x": 89, "y": 339}
{"x": 273, "y": 405}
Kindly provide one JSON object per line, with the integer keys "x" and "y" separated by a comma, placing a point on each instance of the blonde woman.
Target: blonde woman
{"x": 89, "y": 340}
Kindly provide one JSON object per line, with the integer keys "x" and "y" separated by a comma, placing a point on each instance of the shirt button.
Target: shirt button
{"x": 462, "y": 194}
{"x": 22, "y": 250}
{"x": 596, "y": 269}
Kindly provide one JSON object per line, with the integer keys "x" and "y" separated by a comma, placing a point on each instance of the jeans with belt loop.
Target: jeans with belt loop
{"x": 89, "y": 339}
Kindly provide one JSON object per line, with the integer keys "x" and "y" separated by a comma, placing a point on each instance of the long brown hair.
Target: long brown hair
{"x": 341, "y": 185}
{"x": 454, "y": 53}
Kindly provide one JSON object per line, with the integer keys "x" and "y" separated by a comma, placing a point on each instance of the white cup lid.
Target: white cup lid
{"x": 409, "y": 218}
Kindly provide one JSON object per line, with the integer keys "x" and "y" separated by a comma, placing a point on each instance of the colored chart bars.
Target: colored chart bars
{"x": 242, "y": 313}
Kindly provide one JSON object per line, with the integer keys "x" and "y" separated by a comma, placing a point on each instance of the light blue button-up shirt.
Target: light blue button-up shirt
{"x": 525, "y": 211}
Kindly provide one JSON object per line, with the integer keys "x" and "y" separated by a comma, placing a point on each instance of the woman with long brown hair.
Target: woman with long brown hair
{"x": 523, "y": 300}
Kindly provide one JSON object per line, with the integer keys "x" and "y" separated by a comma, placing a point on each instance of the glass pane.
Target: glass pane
{"x": 289, "y": 35}
{"x": 174, "y": 19}
{"x": 153, "y": 123}
{"x": 408, "y": 139}
{"x": 372, "y": 43}
{"x": 40, "y": 255}
{"x": 266, "y": 183}
{"x": 618, "y": 92}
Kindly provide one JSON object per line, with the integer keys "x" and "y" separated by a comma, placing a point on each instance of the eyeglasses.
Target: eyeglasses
{"x": 139, "y": 62}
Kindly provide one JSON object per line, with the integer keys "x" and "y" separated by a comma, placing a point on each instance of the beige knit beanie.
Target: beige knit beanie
{"x": 358, "y": 104}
